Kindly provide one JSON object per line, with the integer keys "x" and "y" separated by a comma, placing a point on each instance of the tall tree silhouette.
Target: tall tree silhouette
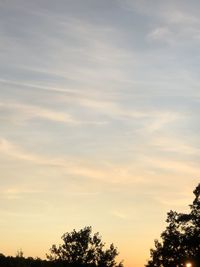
{"x": 181, "y": 240}
{"x": 80, "y": 248}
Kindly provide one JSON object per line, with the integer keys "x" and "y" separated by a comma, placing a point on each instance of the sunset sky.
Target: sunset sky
{"x": 99, "y": 120}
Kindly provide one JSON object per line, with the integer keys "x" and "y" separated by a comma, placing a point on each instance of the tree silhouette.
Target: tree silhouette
{"x": 181, "y": 240}
{"x": 20, "y": 253}
{"x": 80, "y": 248}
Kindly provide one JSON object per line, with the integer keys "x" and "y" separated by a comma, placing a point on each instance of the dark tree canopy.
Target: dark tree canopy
{"x": 181, "y": 240}
{"x": 81, "y": 248}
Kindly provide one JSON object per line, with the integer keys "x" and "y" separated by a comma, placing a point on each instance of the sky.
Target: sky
{"x": 99, "y": 120}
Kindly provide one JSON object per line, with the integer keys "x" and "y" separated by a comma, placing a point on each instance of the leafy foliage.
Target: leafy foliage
{"x": 181, "y": 239}
{"x": 80, "y": 248}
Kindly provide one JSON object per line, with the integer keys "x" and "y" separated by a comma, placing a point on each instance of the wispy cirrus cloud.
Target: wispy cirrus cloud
{"x": 162, "y": 34}
{"x": 21, "y": 112}
{"x": 175, "y": 145}
{"x": 107, "y": 172}
{"x": 27, "y": 112}
{"x": 119, "y": 215}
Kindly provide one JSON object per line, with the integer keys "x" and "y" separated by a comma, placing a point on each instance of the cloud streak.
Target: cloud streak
{"x": 28, "y": 112}
{"x": 107, "y": 173}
